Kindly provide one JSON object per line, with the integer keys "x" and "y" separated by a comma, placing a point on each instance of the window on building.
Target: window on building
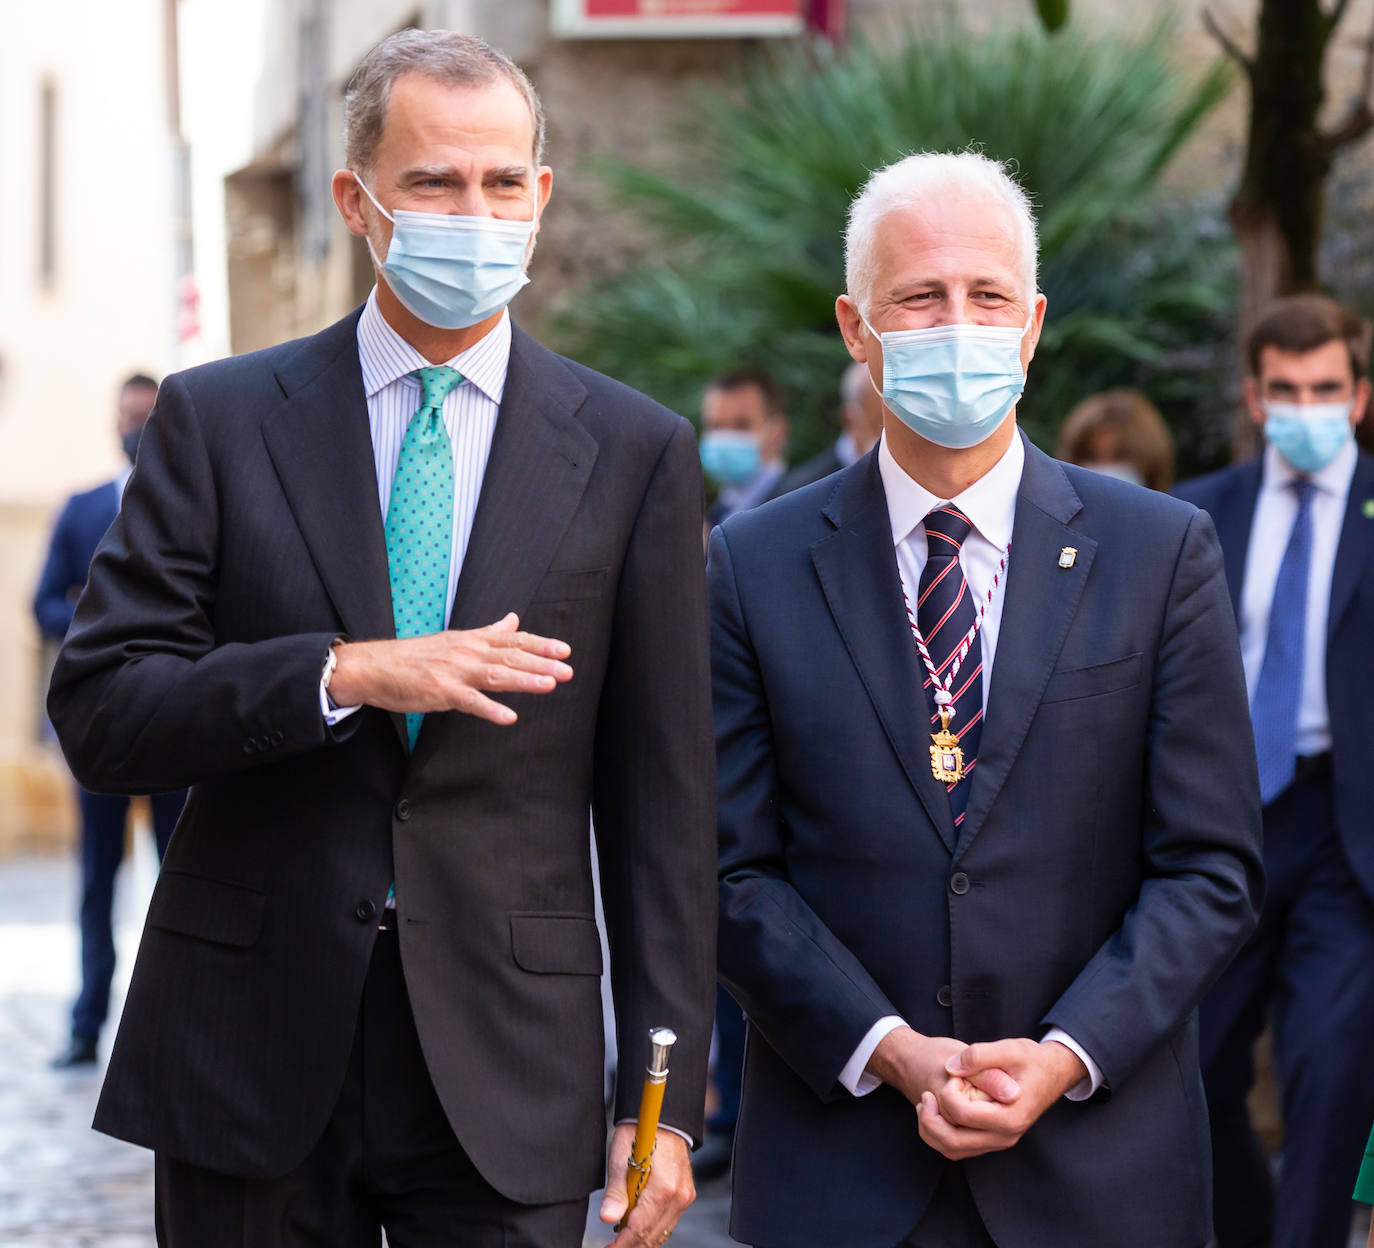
{"x": 47, "y": 184}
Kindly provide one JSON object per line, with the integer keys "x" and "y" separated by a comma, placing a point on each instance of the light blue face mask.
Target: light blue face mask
{"x": 453, "y": 271}
{"x": 952, "y": 384}
{"x": 1308, "y": 435}
{"x": 729, "y": 457}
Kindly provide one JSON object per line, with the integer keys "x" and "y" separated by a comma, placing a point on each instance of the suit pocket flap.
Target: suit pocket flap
{"x": 569, "y": 586}
{"x": 1087, "y": 682}
{"x": 194, "y": 905}
{"x": 556, "y": 944}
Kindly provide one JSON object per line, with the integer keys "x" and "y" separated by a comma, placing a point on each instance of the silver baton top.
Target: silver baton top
{"x": 661, "y": 1041}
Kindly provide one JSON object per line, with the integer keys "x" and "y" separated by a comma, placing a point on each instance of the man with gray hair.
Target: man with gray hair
{"x": 987, "y": 830}
{"x": 344, "y": 601}
{"x": 861, "y": 425}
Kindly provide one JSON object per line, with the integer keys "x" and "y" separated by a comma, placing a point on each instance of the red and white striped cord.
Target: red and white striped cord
{"x": 943, "y": 697}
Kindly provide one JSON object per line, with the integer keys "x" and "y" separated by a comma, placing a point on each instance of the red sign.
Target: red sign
{"x": 622, "y": 18}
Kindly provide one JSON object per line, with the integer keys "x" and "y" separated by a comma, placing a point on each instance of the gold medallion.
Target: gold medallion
{"x": 946, "y": 758}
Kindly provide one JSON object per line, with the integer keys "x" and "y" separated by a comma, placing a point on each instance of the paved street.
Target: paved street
{"x": 61, "y": 1184}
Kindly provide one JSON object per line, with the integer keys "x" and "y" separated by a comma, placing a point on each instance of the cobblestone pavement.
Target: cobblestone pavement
{"x": 61, "y": 1184}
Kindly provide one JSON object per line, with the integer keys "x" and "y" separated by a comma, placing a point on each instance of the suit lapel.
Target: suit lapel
{"x": 1356, "y": 542}
{"x": 541, "y": 457}
{"x": 857, "y": 568}
{"x": 1041, "y": 601}
{"x": 321, "y": 445}
{"x": 1233, "y": 519}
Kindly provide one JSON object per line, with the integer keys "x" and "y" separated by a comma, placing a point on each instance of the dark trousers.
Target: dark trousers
{"x": 1309, "y": 971}
{"x": 388, "y": 1159}
{"x": 730, "y": 1027}
{"x": 102, "y": 850}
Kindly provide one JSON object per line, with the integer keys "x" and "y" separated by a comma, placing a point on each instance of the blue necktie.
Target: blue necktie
{"x": 1274, "y": 707}
{"x": 419, "y": 518}
{"x": 944, "y": 614}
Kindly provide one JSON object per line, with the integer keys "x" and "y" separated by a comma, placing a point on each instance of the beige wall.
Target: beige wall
{"x": 66, "y": 344}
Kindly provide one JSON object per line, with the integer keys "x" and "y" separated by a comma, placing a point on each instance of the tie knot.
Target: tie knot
{"x": 946, "y": 528}
{"x": 435, "y": 383}
{"x": 1304, "y": 489}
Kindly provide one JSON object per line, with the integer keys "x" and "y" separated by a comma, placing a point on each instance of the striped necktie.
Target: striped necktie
{"x": 1274, "y": 707}
{"x": 944, "y": 614}
{"x": 419, "y": 518}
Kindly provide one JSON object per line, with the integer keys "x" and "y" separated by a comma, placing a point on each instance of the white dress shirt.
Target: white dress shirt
{"x": 1275, "y": 510}
{"x": 469, "y": 414}
{"x": 990, "y": 505}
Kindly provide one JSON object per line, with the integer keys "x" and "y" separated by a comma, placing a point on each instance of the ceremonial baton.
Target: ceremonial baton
{"x": 661, "y": 1041}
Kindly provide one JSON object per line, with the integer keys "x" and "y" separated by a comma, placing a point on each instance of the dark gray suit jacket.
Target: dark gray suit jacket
{"x": 1107, "y": 869}
{"x": 249, "y": 538}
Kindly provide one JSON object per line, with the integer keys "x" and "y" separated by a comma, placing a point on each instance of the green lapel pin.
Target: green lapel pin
{"x": 1368, "y": 509}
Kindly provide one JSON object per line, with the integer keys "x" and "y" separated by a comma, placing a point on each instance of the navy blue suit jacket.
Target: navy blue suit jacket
{"x": 80, "y": 526}
{"x": 1230, "y": 497}
{"x": 1107, "y": 870}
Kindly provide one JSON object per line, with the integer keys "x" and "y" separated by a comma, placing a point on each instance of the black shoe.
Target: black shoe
{"x": 80, "y": 1051}
{"x": 712, "y": 1159}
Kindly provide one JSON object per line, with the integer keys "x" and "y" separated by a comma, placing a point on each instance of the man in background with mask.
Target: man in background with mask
{"x": 403, "y": 602}
{"x": 861, "y": 420}
{"x": 80, "y": 526}
{"x": 987, "y": 827}
{"x": 743, "y": 436}
{"x": 1297, "y": 528}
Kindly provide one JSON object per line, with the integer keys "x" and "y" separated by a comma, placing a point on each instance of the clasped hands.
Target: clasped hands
{"x": 454, "y": 670}
{"x": 973, "y": 1099}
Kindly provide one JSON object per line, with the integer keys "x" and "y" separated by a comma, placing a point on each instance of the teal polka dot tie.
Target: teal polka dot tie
{"x": 419, "y": 519}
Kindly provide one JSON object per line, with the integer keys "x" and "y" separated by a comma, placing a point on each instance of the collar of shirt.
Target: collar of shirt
{"x": 1334, "y": 478}
{"x": 386, "y": 357}
{"x": 989, "y": 503}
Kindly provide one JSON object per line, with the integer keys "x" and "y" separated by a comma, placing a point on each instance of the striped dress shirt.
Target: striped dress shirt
{"x": 469, "y": 411}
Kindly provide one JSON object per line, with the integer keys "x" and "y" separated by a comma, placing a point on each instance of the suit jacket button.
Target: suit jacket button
{"x": 250, "y": 746}
{"x": 365, "y": 911}
{"x": 945, "y": 996}
{"x": 276, "y": 739}
{"x": 403, "y": 809}
{"x": 958, "y": 883}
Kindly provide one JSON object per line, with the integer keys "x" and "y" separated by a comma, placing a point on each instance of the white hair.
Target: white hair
{"x": 908, "y": 182}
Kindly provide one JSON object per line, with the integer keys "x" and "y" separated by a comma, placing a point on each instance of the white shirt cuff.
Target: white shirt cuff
{"x": 854, "y": 1077}
{"x": 333, "y": 714}
{"x": 662, "y": 1126}
{"x": 1084, "y": 1088}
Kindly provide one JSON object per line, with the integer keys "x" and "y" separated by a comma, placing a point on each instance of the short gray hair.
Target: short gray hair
{"x": 443, "y": 55}
{"x": 909, "y": 181}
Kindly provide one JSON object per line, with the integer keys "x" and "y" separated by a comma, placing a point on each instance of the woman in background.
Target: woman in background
{"x": 1119, "y": 433}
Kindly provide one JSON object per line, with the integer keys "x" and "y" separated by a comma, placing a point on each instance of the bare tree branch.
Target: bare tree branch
{"x": 1359, "y": 120}
{"x": 1229, "y": 45}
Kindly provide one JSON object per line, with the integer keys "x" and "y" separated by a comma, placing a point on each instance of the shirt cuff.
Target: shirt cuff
{"x": 333, "y": 714}
{"x": 854, "y": 1077}
{"x": 1084, "y": 1088}
{"x": 662, "y": 1126}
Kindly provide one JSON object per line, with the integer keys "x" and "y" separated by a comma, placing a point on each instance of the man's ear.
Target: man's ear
{"x": 851, "y": 329}
{"x": 1361, "y": 404}
{"x": 348, "y": 199}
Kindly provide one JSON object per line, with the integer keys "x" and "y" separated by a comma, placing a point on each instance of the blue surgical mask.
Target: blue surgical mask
{"x": 453, "y": 271}
{"x": 729, "y": 457}
{"x": 953, "y": 384}
{"x": 1308, "y": 435}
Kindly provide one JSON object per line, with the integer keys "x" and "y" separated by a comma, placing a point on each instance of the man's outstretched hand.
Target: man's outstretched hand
{"x": 454, "y": 670}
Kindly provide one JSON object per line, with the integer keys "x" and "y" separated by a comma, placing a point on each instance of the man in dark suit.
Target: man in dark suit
{"x": 743, "y": 436}
{"x": 368, "y": 992}
{"x": 80, "y": 526}
{"x": 970, "y": 945}
{"x": 1297, "y": 529}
